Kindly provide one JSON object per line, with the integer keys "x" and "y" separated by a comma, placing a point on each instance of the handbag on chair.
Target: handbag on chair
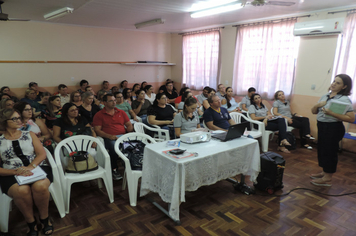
{"x": 81, "y": 162}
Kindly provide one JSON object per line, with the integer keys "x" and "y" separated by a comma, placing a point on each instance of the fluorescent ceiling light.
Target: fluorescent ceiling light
{"x": 217, "y": 10}
{"x": 209, "y": 4}
{"x": 58, "y": 13}
{"x": 149, "y": 23}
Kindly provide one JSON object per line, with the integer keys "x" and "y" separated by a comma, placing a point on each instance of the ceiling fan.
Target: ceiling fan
{"x": 258, "y": 3}
{"x": 4, "y": 17}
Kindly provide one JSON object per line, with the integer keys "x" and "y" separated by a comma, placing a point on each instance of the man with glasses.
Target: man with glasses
{"x": 221, "y": 91}
{"x": 110, "y": 123}
{"x": 217, "y": 117}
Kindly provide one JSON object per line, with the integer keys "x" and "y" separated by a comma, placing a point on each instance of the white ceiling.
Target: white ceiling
{"x": 123, "y": 14}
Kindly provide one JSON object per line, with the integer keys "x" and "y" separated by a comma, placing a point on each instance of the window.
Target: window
{"x": 346, "y": 60}
{"x": 265, "y": 57}
{"x": 201, "y": 59}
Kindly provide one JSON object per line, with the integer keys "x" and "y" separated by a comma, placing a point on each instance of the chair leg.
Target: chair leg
{"x": 124, "y": 181}
{"x": 4, "y": 212}
{"x": 67, "y": 197}
{"x": 132, "y": 183}
{"x": 100, "y": 183}
{"x": 109, "y": 188}
{"x": 58, "y": 200}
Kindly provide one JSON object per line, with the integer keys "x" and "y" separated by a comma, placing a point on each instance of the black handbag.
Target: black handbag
{"x": 133, "y": 150}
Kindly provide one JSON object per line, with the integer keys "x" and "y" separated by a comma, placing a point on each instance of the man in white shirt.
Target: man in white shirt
{"x": 221, "y": 91}
{"x": 63, "y": 94}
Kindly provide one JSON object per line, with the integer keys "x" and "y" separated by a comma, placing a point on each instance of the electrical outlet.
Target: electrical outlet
{"x": 313, "y": 87}
{"x": 72, "y": 79}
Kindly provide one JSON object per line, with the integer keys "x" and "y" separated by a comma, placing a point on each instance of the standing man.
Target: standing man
{"x": 245, "y": 102}
{"x": 170, "y": 93}
{"x": 217, "y": 117}
{"x": 221, "y": 91}
{"x": 110, "y": 123}
{"x": 63, "y": 94}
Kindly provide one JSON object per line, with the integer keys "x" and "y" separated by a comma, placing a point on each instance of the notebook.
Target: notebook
{"x": 234, "y": 131}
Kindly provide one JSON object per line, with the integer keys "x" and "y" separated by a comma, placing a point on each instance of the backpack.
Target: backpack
{"x": 133, "y": 150}
{"x": 291, "y": 139}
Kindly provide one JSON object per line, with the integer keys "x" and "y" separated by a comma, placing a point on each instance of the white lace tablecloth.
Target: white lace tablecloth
{"x": 216, "y": 160}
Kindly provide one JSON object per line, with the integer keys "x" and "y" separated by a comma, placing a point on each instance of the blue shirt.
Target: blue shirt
{"x": 220, "y": 120}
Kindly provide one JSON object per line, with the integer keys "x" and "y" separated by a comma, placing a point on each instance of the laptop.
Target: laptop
{"x": 234, "y": 131}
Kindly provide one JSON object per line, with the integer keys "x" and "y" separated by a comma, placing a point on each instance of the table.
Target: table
{"x": 216, "y": 160}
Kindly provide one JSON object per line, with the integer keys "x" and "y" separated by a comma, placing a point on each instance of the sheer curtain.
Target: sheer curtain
{"x": 201, "y": 65}
{"x": 346, "y": 63}
{"x": 265, "y": 56}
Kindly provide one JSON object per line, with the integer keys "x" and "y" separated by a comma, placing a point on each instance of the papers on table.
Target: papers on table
{"x": 338, "y": 107}
{"x": 38, "y": 174}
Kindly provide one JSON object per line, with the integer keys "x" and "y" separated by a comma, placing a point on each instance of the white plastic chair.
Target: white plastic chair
{"x": 160, "y": 136}
{"x": 55, "y": 189}
{"x": 265, "y": 133}
{"x": 289, "y": 128}
{"x": 83, "y": 143}
{"x": 131, "y": 176}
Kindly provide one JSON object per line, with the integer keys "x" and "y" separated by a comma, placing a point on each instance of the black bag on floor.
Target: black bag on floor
{"x": 270, "y": 178}
{"x": 133, "y": 150}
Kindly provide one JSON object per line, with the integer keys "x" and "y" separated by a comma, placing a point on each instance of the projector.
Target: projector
{"x": 195, "y": 137}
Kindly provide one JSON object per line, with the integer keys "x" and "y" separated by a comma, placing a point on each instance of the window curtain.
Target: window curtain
{"x": 346, "y": 62}
{"x": 265, "y": 57}
{"x": 201, "y": 63}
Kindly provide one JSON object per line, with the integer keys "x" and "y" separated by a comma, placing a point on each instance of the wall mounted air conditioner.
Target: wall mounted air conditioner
{"x": 319, "y": 27}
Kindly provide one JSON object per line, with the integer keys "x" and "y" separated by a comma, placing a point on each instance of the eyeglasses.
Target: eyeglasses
{"x": 77, "y": 96}
{"x": 120, "y": 97}
{"x": 28, "y": 109}
{"x": 111, "y": 101}
{"x": 14, "y": 119}
{"x": 73, "y": 110}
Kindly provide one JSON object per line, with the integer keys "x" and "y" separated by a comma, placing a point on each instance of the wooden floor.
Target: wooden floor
{"x": 219, "y": 209}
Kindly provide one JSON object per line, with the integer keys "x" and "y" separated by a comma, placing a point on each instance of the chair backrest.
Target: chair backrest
{"x": 236, "y": 116}
{"x": 131, "y": 136}
{"x": 248, "y": 115}
{"x": 162, "y": 134}
{"x": 272, "y": 111}
{"x": 79, "y": 143}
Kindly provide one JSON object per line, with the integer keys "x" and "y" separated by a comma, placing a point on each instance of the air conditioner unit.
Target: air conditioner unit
{"x": 319, "y": 27}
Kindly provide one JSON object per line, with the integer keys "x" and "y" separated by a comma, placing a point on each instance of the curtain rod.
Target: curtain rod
{"x": 201, "y": 31}
{"x": 333, "y": 12}
{"x": 271, "y": 20}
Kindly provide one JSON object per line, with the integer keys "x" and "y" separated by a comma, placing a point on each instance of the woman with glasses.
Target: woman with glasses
{"x": 6, "y": 103}
{"x": 20, "y": 153}
{"x": 71, "y": 124}
{"x": 88, "y": 109}
{"x": 126, "y": 107}
{"x": 30, "y": 97}
{"x": 187, "y": 120}
{"x": 75, "y": 98}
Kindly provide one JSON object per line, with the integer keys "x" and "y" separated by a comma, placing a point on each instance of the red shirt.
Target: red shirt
{"x": 179, "y": 99}
{"x": 111, "y": 124}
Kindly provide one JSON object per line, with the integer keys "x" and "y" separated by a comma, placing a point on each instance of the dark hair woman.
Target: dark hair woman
{"x": 71, "y": 124}
{"x": 188, "y": 119}
{"x": 135, "y": 88}
{"x": 161, "y": 114}
{"x": 76, "y": 98}
{"x": 127, "y": 93}
{"x": 20, "y": 153}
{"x": 123, "y": 85}
{"x": 330, "y": 127}
{"x": 141, "y": 105}
{"x": 143, "y": 85}
{"x": 150, "y": 95}
{"x": 258, "y": 111}
{"x": 52, "y": 112}
{"x": 229, "y": 101}
{"x": 42, "y": 104}
{"x": 281, "y": 107}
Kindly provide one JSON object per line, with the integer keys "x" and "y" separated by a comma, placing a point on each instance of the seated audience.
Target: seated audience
{"x": 184, "y": 97}
{"x": 5, "y": 89}
{"x": 187, "y": 120}
{"x": 135, "y": 88}
{"x": 6, "y": 103}
{"x": 52, "y": 112}
{"x": 221, "y": 92}
{"x": 63, "y": 94}
{"x": 89, "y": 89}
{"x": 105, "y": 87}
{"x": 211, "y": 92}
{"x": 150, "y": 95}
{"x": 163, "y": 88}
{"x": 125, "y": 106}
{"x": 99, "y": 101}
{"x": 259, "y": 112}
{"x": 88, "y": 109}
{"x": 143, "y": 85}
{"x": 75, "y": 98}
{"x": 217, "y": 117}
{"x": 5, "y": 95}
{"x": 34, "y": 86}
{"x": 281, "y": 107}
{"x": 71, "y": 124}
{"x": 127, "y": 93}
{"x": 170, "y": 93}
{"x": 204, "y": 95}
{"x": 110, "y": 123}
{"x": 21, "y": 152}
{"x": 246, "y": 101}
{"x": 114, "y": 89}
{"x": 161, "y": 114}
{"x": 123, "y": 85}
{"x": 141, "y": 105}
{"x": 179, "y": 98}
{"x": 83, "y": 84}
{"x": 42, "y": 104}
{"x": 229, "y": 101}
{"x": 30, "y": 97}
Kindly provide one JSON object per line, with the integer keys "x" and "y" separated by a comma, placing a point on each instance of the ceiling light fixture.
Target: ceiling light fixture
{"x": 217, "y": 10}
{"x": 149, "y": 23}
{"x": 58, "y": 13}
